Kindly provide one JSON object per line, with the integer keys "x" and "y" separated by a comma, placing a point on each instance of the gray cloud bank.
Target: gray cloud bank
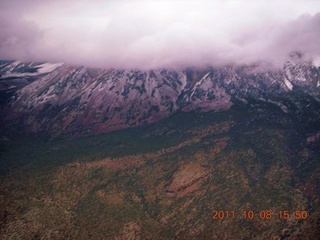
{"x": 155, "y": 34}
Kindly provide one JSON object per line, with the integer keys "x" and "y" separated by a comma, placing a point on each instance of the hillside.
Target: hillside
{"x": 165, "y": 180}
{"x": 215, "y": 153}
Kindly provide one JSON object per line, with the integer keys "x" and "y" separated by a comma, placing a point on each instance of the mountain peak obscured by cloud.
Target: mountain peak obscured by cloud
{"x": 154, "y": 34}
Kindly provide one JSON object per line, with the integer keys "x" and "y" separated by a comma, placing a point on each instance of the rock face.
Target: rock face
{"x": 64, "y": 100}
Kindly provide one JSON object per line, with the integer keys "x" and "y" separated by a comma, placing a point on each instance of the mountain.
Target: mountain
{"x": 215, "y": 153}
{"x": 64, "y": 100}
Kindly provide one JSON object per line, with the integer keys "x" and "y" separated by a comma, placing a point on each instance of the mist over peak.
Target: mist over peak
{"x": 159, "y": 34}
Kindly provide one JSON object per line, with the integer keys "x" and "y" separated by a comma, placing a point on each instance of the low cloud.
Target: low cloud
{"x": 18, "y": 38}
{"x": 155, "y": 34}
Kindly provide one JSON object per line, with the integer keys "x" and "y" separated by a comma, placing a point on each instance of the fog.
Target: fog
{"x": 155, "y": 34}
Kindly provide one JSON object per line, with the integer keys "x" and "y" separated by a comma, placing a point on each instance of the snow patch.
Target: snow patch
{"x": 288, "y": 84}
{"x": 206, "y": 76}
{"x": 48, "y": 67}
{"x": 201, "y": 80}
{"x": 42, "y": 68}
{"x": 15, "y": 63}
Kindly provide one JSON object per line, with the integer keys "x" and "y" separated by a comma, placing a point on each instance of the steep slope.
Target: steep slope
{"x": 67, "y": 100}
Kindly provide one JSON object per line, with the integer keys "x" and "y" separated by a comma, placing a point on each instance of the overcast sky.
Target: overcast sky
{"x": 158, "y": 33}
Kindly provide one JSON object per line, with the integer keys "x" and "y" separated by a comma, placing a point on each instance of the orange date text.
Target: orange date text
{"x": 262, "y": 214}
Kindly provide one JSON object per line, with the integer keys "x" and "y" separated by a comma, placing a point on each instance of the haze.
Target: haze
{"x": 155, "y": 34}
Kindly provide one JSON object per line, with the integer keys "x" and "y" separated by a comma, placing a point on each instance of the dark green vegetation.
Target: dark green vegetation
{"x": 163, "y": 181}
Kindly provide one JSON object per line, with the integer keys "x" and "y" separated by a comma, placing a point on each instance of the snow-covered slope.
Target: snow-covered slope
{"x": 60, "y": 99}
{"x": 20, "y": 69}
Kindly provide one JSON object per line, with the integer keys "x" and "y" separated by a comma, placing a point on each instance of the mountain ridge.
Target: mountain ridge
{"x": 64, "y": 100}
{"x": 232, "y": 140}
